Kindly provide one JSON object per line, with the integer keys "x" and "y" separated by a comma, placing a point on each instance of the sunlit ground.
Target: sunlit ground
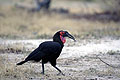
{"x": 22, "y": 31}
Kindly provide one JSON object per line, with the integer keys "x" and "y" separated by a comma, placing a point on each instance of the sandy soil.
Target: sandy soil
{"x": 78, "y": 61}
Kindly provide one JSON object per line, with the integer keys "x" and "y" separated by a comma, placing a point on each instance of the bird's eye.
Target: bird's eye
{"x": 61, "y": 33}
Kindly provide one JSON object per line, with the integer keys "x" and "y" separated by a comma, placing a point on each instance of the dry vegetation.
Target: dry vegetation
{"x": 83, "y": 68}
{"x": 16, "y": 23}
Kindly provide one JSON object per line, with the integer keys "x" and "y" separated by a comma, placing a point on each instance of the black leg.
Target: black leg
{"x": 58, "y": 70}
{"x": 42, "y": 68}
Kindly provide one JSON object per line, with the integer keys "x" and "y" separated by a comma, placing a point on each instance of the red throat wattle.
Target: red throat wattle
{"x": 62, "y": 39}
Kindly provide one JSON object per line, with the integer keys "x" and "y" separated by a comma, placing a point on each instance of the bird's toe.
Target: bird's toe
{"x": 61, "y": 74}
{"x": 42, "y": 73}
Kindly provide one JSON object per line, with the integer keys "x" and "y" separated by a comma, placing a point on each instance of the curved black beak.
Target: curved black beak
{"x": 69, "y": 35}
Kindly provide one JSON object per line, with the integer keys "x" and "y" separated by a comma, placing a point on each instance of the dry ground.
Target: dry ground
{"x": 84, "y": 66}
{"x": 20, "y": 24}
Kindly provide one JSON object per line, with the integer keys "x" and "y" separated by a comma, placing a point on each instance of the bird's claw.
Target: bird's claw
{"x": 61, "y": 74}
{"x": 42, "y": 73}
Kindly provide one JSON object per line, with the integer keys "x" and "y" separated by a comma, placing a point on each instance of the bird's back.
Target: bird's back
{"x": 46, "y": 50}
{"x": 50, "y": 47}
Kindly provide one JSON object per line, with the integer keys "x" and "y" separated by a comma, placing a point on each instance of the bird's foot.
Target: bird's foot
{"x": 61, "y": 74}
{"x": 42, "y": 73}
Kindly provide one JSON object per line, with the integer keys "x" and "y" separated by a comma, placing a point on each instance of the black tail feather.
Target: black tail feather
{"x": 20, "y": 63}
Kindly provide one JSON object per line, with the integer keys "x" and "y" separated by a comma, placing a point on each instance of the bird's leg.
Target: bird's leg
{"x": 42, "y": 68}
{"x": 60, "y": 72}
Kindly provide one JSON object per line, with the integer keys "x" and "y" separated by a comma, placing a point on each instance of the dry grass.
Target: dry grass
{"x": 16, "y": 23}
{"x": 9, "y": 70}
{"x": 74, "y": 68}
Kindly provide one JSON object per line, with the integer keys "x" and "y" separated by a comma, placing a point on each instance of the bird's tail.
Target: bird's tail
{"x": 20, "y": 63}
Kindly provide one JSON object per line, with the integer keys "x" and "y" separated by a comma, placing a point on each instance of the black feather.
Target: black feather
{"x": 47, "y": 51}
{"x": 22, "y": 62}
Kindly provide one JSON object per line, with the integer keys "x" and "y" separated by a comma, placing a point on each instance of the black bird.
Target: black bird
{"x": 49, "y": 51}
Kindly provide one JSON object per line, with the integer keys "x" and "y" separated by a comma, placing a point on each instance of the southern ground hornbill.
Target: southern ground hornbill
{"x": 49, "y": 51}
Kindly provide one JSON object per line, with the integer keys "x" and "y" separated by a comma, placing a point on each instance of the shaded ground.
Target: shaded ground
{"x": 103, "y": 17}
{"x": 78, "y": 61}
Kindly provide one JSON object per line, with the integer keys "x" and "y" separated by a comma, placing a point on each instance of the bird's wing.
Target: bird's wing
{"x": 50, "y": 47}
{"x": 45, "y": 49}
{"x": 35, "y": 54}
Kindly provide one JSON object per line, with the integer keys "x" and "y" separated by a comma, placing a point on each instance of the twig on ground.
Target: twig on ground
{"x": 107, "y": 63}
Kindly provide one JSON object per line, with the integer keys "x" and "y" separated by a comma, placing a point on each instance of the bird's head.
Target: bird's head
{"x": 60, "y": 36}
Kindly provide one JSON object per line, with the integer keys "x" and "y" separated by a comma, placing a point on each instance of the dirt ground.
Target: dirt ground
{"x": 95, "y": 55}
{"x": 78, "y": 61}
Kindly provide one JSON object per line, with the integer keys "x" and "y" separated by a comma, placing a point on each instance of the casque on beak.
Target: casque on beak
{"x": 69, "y": 35}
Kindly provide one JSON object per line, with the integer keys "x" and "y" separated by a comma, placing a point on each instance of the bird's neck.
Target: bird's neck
{"x": 59, "y": 39}
{"x": 62, "y": 39}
